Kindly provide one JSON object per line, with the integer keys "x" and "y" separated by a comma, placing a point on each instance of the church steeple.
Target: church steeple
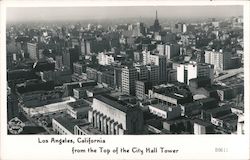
{"x": 156, "y": 26}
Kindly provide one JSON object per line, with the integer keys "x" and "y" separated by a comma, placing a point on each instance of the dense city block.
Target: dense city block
{"x": 135, "y": 78}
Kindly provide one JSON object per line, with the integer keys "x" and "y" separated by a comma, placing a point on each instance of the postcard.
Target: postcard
{"x": 124, "y": 80}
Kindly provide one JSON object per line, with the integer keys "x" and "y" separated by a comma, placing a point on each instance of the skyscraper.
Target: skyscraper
{"x": 118, "y": 78}
{"x": 142, "y": 72}
{"x": 85, "y": 47}
{"x": 146, "y": 57}
{"x": 33, "y": 51}
{"x": 153, "y": 74}
{"x": 69, "y": 57}
{"x": 129, "y": 76}
{"x": 160, "y": 61}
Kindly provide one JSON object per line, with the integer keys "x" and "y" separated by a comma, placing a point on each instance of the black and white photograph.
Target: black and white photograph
{"x": 137, "y": 70}
{"x": 103, "y": 70}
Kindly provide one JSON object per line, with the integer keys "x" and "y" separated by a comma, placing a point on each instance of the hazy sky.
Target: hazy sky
{"x": 84, "y": 13}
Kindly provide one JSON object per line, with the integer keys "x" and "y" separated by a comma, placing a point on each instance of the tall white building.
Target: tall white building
{"x": 221, "y": 60}
{"x": 85, "y": 47}
{"x": 105, "y": 58}
{"x": 161, "y": 49}
{"x": 129, "y": 76}
{"x": 32, "y": 49}
{"x": 88, "y": 48}
{"x": 192, "y": 70}
{"x": 184, "y": 28}
{"x": 146, "y": 57}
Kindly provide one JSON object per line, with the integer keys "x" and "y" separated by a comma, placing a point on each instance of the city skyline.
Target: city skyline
{"x": 126, "y": 78}
{"x": 15, "y": 14}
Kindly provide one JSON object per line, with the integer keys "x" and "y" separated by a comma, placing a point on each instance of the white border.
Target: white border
{"x": 190, "y": 146}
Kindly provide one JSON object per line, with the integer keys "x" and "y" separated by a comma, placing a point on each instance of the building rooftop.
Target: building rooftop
{"x": 163, "y": 107}
{"x": 214, "y": 87}
{"x": 220, "y": 111}
{"x": 89, "y": 129}
{"x": 97, "y": 90}
{"x": 69, "y": 123}
{"x": 175, "y": 95}
{"x": 79, "y": 83}
{"x": 101, "y": 68}
{"x": 112, "y": 102}
{"x": 229, "y": 117}
{"x": 81, "y": 103}
{"x": 177, "y": 120}
{"x": 192, "y": 104}
{"x": 49, "y": 108}
{"x": 203, "y": 123}
{"x": 206, "y": 100}
{"x": 164, "y": 86}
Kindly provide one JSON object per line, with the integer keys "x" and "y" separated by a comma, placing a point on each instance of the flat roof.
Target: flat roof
{"x": 173, "y": 95}
{"x": 162, "y": 106}
{"x": 192, "y": 104}
{"x": 81, "y": 103}
{"x": 69, "y": 123}
{"x": 203, "y": 123}
{"x": 78, "y": 83}
{"x": 229, "y": 117}
{"x": 54, "y": 107}
{"x": 112, "y": 102}
{"x": 177, "y": 120}
{"x": 205, "y": 100}
{"x": 80, "y": 88}
{"x": 220, "y": 111}
{"x": 97, "y": 90}
{"x": 89, "y": 129}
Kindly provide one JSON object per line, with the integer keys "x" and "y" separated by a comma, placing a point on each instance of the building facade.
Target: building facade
{"x": 129, "y": 76}
{"x": 32, "y": 49}
{"x": 221, "y": 60}
{"x": 141, "y": 89}
{"x": 172, "y": 50}
{"x": 160, "y": 61}
{"x": 192, "y": 70}
{"x": 111, "y": 117}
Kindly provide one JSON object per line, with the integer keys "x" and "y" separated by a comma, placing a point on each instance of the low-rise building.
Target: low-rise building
{"x": 78, "y": 109}
{"x": 79, "y": 93}
{"x": 94, "y": 91}
{"x": 189, "y": 109}
{"x": 172, "y": 98}
{"x": 202, "y": 127}
{"x": 47, "y": 109}
{"x": 228, "y": 121}
{"x": 178, "y": 125}
{"x": 86, "y": 129}
{"x": 164, "y": 111}
{"x": 65, "y": 126}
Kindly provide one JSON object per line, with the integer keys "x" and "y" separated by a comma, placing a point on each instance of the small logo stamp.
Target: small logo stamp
{"x": 15, "y": 126}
